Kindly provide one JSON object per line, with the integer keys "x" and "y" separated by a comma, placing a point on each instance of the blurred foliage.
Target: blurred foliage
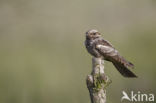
{"x": 43, "y": 58}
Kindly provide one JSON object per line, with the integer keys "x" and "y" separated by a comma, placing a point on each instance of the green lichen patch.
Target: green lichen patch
{"x": 101, "y": 81}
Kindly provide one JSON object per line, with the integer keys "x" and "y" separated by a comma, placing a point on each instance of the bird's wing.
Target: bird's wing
{"x": 105, "y": 47}
{"x": 110, "y": 54}
{"x": 104, "y": 42}
{"x": 106, "y": 50}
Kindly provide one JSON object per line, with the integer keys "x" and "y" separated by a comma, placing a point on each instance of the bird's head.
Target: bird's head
{"x": 92, "y": 34}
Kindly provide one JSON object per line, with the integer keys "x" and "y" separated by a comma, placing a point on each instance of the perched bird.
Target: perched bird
{"x": 100, "y": 48}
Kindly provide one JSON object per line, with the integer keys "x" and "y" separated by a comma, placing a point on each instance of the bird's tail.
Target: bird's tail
{"x": 123, "y": 69}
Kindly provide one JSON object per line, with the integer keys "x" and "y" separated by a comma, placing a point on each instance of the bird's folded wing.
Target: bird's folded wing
{"x": 107, "y": 50}
{"x": 113, "y": 55}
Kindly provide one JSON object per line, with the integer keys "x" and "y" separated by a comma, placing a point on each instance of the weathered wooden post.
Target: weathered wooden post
{"x": 97, "y": 81}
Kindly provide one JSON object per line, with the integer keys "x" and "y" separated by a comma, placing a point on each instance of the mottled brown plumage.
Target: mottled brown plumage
{"x": 100, "y": 48}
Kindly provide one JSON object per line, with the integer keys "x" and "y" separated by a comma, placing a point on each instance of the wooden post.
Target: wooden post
{"x": 97, "y": 81}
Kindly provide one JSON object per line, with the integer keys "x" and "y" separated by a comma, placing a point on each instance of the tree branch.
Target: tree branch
{"x": 97, "y": 81}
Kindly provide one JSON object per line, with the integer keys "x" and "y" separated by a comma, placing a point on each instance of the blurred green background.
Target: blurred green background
{"x": 42, "y": 53}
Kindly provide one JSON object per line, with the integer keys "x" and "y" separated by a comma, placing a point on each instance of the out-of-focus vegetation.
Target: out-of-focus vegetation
{"x": 43, "y": 58}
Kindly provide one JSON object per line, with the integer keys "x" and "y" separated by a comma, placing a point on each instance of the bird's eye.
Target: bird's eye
{"x": 94, "y": 33}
